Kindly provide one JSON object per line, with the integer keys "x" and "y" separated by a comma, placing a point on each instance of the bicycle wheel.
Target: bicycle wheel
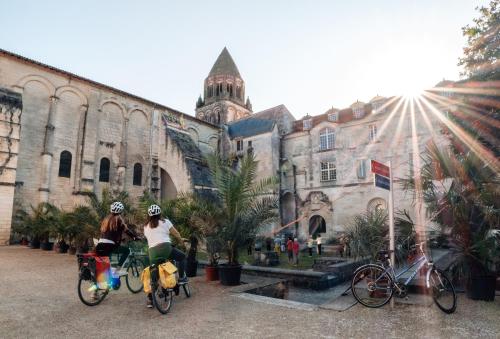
{"x": 443, "y": 292}
{"x": 89, "y": 292}
{"x": 372, "y": 286}
{"x": 187, "y": 290}
{"x": 162, "y": 299}
{"x": 133, "y": 278}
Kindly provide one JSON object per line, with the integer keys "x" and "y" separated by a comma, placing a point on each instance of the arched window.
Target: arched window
{"x": 210, "y": 91}
{"x": 326, "y": 139}
{"x": 65, "y": 164}
{"x": 104, "y": 170}
{"x": 238, "y": 92}
{"x": 137, "y": 181}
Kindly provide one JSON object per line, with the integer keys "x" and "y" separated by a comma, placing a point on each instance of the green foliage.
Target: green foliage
{"x": 242, "y": 204}
{"x": 462, "y": 195}
{"x": 100, "y": 207}
{"x": 368, "y": 233}
{"x": 481, "y": 58}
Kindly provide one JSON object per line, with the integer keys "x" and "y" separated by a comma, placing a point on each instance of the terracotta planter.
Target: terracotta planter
{"x": 211, "y": 273}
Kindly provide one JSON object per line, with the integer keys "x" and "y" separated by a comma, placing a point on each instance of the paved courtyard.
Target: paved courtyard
{"x": 39, "y": 299}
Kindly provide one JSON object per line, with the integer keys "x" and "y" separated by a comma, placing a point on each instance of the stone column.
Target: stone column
{"x": 121, "y": 175}
{"x": 156, "y": 135}
{"x": 47, "y": 154}
{"x": 80, "y": 143}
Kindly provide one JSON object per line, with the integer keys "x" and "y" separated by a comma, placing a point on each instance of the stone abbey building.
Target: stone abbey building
{"x": 62, "y": 135}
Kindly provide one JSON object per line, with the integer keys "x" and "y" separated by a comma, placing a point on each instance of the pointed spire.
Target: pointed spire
{"x": 199, "y": 102}
{"x": 224, "y": 65}
{"x": 248, "y": 105}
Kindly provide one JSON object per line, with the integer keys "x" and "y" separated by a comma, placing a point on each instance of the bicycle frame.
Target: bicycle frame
{"x": 419, "y": 263}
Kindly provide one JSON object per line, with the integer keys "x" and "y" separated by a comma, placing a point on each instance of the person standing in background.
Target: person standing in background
{"x": 310, "y": 242}
{"x": 289, "y": 249}
{"x": 318, "y": 242}
{"x": 296, "y": 251}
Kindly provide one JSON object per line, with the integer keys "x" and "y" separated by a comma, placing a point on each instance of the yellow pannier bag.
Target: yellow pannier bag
{"x": 146, "y": 280}
{"x": 167, "y": 275}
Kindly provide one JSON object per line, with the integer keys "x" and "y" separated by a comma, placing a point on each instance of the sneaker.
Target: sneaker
{"x": 149, "y": 303}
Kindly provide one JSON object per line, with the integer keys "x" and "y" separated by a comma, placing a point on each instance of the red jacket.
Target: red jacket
{"x": 289, "y": 245}
{"x": 296, "y": 247}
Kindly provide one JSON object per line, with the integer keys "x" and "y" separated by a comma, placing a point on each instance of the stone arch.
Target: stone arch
{"x": 213, "y": 142}
{"x": 79, "y": 93}
{"x": 111, "y": 122}
{"x": 168, "y": 190}
{"x": 29, "y": 78}
{"x": 37, "y": 93}
{"x": 138, "y": 143}
{"x": 112, "y": 101}
{"x": 135, "y": 109}
{"x": 376, "y": 204}
{"x": 288, "y": 208}
{"x": 193, "y": 132}
{"x": 317, "y": 224}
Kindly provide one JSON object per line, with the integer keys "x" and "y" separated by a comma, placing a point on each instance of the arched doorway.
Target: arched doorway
{"x": 168, "y": 191}
{"x": 317, "y": 225}
{"x": 288, "y": 208}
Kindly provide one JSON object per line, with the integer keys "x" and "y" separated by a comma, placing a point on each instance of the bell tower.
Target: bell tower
{"x": 223, "y": 93}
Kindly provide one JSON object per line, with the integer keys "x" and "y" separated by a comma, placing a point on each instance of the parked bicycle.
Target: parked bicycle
{"x": 92, "y": 289}
{"x": 374, "y": 285}
{"x": 163, "y": 297}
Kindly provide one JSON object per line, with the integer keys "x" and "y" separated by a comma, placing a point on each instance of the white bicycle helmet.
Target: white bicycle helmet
{"x": 117, "y": 207}
{"x": 154, "y": 210}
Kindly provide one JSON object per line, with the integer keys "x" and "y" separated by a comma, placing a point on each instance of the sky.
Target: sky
{"x": 308, "y": 55}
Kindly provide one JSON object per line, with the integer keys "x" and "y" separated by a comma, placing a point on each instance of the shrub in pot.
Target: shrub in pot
{"x": 214, "y": 246}
{"x": 192, "y": 263}
{"x": 461, "y": 195}
{"x": 242, "y": 205}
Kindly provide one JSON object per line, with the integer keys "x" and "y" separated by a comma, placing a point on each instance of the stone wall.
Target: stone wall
{"x": 353, "y": 192}
{"x": 66, "y": 113}
{"x": 10, "y": 114}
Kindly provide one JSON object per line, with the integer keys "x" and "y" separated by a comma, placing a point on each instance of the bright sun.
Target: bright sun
{"x": 411, "y": 91}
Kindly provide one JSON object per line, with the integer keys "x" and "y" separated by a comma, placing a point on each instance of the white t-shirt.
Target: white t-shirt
{"x": 158, "y": 235}
{"x": 318, "y": 240}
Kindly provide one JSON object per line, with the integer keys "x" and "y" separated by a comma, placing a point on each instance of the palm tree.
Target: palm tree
{"x": 368, "y": 233}
{"x": 242, "y": 204}
{"x": 462, "y": 195}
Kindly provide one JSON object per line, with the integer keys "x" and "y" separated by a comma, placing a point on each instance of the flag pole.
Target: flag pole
{"x": 391, "y": 221}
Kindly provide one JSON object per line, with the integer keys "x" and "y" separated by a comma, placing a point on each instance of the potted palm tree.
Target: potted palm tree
{"x": 243, "y": 205}
{"x": 461, "y": 193}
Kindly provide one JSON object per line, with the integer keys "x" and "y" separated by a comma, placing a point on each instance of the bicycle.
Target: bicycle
{"x": 374, "y": 285}
{"x": 163, "y": 297}
{"x": 92, "y": 292}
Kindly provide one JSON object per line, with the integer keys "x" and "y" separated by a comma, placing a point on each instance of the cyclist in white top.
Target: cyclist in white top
{"x": 158, "y": 231}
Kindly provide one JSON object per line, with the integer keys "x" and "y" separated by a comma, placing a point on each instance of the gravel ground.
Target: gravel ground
{"x": 39, "y": 299}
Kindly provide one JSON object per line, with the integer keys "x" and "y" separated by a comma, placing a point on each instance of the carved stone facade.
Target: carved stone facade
{"x": 78, "y": 136}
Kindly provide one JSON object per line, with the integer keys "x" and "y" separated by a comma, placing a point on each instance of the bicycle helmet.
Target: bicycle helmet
{"x": 154, "y": 210}
{"x": 117, "y": 207}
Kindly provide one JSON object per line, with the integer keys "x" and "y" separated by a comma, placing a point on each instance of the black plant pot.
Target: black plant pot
{"x": 47, "y": 245}
{"x": 481, "y": 287}
{"x": 63, "y": 248}
{"x": 35, "y": 243}
{"x": 191, "y": 268}
{"x": 229, "y": 275}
